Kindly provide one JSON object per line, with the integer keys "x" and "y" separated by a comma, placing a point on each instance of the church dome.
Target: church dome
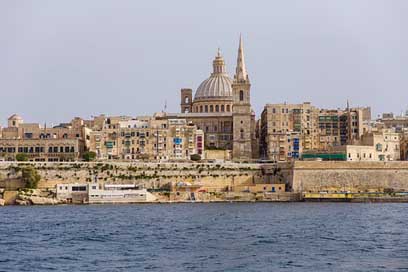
{"x": 218, "y": 85}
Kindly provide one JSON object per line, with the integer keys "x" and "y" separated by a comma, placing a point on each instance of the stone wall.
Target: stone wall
{"x": 214, "y": 177}
{"x": 300, "y": 176}
{"x": 349, "y": 176}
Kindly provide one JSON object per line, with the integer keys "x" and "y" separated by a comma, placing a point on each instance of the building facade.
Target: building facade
{"x": 312, "y": 129}
{"x": 147, "y": 138}
{"x": 283, "y": 125}
{"x": 65, "y": 142}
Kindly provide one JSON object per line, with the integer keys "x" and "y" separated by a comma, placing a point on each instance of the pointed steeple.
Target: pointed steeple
{"x": 241, "y": 72}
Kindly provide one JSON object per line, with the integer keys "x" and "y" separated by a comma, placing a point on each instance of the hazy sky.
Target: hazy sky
{"x": 60, "y": 59}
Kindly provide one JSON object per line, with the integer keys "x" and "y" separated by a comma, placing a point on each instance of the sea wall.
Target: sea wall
{"x": 214, "y": 177}
{"x": 349, "y": 176}
{"x": 301, "y": 176}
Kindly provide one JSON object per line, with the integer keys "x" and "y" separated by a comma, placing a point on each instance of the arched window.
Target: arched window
{"x": 241, "y": 95}
{"x": 222, "y": 108}
{"x": 228, "y": 108}
{"x": 201, "y": 108}
{"x": 186, "y": 100}
{"x": 211, "y": 108}
{"x": 206, "y": 108}
{"x": 242, "y": 133}
{"x": 217, "y": 108}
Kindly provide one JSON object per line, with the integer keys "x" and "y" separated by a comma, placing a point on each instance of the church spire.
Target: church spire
{"x": 241, "y": 72}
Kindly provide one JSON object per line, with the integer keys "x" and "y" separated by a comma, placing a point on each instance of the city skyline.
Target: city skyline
{"x": 91, "y": 65}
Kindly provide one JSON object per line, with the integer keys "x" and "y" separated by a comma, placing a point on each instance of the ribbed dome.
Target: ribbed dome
{"x": 215, "y": 87}
{"x": 218, "y": 85}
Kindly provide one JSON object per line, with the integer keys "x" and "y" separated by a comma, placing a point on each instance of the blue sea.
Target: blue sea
{"x": 205, "y": 237}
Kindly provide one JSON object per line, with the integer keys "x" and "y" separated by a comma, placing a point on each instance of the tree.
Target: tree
{"x": 30, "y": 177}
{"x": 89, "y": 156}
{"x": 21, "y": 157}
{"x": 195, "y": 157}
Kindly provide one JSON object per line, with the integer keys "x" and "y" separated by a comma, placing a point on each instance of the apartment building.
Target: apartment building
{"x": 287, "y": 129}
{"x": 147, "y": 138}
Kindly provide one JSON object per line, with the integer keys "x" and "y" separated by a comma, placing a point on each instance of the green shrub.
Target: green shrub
{"x": 21, "y": 157}
{"x": 30, "y": 177}
{"x": 89, "y": 156}
{"x": 195, "y": 157}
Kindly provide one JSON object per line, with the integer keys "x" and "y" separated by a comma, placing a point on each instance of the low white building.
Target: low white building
{"x": 94, "y": 193}
{"x": 118, "y": 193}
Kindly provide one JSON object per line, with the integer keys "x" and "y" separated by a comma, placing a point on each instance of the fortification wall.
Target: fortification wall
{"x": 149, "y": 175}
{"x": 349, "y": 176}
{"x": 299, "y": 176}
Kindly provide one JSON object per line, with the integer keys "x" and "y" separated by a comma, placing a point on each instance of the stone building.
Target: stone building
{"x": 65, "y": 142}
{"x": 404, "y": 145}
{"x": 389, "y": 120}
{"x": 222, "y": 109}
{"x": 341, "y": 127}
{"x": 313, "y": 129}
{"x": 282, "y": 122}
{"x": 147, "y": 138}
{"x": 381, "y": 145}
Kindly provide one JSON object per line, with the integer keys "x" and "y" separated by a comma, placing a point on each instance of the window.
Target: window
{"x": 242, "y": 133}
{"x": 78, "y": 188}
{"x": 211, "y": 108}
{"x": 186, "y": 100}
{"x": 217, "y": 108}
{"x": 206, "y": 108}
{"x": 241, "y": 95}
{"x": 222, "y": 108}
{"x": 201, "y": 108}
{"x": 228, "y": 108}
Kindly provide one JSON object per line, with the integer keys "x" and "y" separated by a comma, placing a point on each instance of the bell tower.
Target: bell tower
{"x": 241, "y": 110}
{"x": 186, "y": 102}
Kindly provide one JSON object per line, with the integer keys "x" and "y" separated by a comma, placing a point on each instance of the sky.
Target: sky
{"x": 62, "y": 59}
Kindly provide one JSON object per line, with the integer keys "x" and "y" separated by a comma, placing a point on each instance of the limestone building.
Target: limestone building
{"x": 221, "y": 107}
{"x": 377, "y": 145}
{"x": 147, "y": 138}
{"x": 65, "y": 142}
{"x": 311, "y": 128}
{"x": 281, "y": 123}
